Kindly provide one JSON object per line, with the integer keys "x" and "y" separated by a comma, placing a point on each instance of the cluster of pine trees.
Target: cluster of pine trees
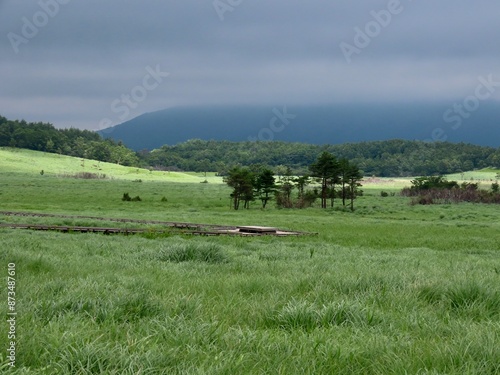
{"x": 337, "y": 179}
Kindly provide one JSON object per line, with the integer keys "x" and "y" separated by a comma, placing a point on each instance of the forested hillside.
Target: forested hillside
{"x": 382, "y": 158}
{"x": 73, "y": 142}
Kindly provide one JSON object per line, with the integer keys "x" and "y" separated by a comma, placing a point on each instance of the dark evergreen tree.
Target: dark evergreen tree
{"x": 242, "y": 182}
{"x": 265, "y": 186}
{"x": 325, "y": 170}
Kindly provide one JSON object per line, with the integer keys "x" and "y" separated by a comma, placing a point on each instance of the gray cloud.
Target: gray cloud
{"x": 90, "y": 53}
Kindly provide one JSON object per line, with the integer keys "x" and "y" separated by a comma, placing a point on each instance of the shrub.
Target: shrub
{"x": 466, "y": 192}
{"x": 384, "y": 194}
{"x": 305, "y": 201}
{"x": 126, "y": 198}
{"x": 432, "y": 182}
{"x": 164, "y": 199}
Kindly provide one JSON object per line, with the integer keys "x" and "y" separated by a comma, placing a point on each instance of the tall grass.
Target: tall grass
{"x": 194, "y": 252}
{"x": 388, "y": 289}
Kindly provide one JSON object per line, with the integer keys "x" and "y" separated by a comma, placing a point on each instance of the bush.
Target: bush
{"x": 437, "y": 190}
{"x": 126, "y": 198}
{"x": 307, "y": 200}
{"x": 384, "y": 194}
{"x": 455, "y": 195}
{"x": 423, "y": 199}
{"x": 432, "y": 182}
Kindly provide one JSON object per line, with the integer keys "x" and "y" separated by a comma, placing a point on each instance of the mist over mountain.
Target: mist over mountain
{"x": 322, "y": 124}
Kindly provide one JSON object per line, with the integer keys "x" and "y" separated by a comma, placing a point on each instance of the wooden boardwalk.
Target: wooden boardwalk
{"x": 172, "y": 227}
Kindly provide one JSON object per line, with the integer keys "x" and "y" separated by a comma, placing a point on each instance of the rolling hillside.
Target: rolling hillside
{"x": 23, "y": 161}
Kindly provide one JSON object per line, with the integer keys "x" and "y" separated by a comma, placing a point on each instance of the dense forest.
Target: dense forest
{"x": 73, "y": 142}
{"x": 391, "y": 158}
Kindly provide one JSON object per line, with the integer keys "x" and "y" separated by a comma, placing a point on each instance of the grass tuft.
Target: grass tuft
{"x": 193, "y": 252}
{"x": 136, "y": 307}
{"x": 303, "y": 315}
{"x": 469, "y": 298}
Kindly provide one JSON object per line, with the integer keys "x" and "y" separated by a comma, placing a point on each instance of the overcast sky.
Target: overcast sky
{"x": 75, "y": 62}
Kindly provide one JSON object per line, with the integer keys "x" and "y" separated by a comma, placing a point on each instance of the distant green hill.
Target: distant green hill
{"x": 21, "y": 161}
{"x": 392, "y": 158}
{"x": 40, "y": 136}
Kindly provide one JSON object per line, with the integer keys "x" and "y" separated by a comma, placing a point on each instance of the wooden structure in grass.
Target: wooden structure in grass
{"x": 163, "y": 227}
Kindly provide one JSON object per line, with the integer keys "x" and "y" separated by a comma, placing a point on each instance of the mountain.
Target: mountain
{"x": 332, "y": 124}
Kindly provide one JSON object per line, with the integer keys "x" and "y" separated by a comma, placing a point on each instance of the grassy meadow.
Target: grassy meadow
{"x": 388, "y": 289}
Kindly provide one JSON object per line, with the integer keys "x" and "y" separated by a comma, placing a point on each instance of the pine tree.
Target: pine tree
{"x": 326, "y": 171}
{"x": 265, "y": 186}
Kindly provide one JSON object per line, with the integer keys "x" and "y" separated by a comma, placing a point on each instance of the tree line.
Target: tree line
{"x": 45, "y": 137}
{"x": 392, "y": 158}
{"x": 337, "y": 178}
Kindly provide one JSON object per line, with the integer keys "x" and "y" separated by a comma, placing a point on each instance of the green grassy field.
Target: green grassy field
{"x": 388, "y": 289}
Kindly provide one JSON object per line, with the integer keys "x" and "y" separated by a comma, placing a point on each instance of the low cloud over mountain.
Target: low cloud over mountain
{"x": 313, "y": 124}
